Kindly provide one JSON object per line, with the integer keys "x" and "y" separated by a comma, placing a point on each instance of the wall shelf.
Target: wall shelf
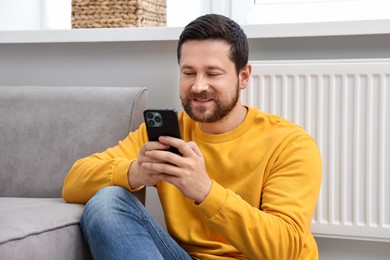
{"x": 172, "y": 33}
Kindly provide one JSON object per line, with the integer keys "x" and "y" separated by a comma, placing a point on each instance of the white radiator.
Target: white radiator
{"x": 345, "y": 106}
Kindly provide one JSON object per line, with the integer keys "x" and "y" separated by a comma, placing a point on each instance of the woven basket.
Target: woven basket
{"x": 118, "y": 14}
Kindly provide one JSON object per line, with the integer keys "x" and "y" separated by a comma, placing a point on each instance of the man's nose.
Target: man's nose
{"x": 200, "y": 84}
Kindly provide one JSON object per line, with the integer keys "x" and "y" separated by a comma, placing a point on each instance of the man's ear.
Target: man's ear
{"x": 244, "y": 76}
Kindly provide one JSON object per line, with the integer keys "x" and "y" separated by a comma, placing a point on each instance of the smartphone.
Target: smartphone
{"x": 162, "y": 122}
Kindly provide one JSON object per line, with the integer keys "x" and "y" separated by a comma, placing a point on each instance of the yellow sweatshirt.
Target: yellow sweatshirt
{"x": 266, "y": 179}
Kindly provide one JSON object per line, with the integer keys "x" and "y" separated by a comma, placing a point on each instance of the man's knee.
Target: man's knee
{"x": 108, "y": 200}
{"x": 104, "y": 209}
{"x": 101, "y": 204}
{"x": 111, "y": 192}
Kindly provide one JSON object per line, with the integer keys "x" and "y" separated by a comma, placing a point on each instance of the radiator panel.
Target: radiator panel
{"x": 345, "y": 106}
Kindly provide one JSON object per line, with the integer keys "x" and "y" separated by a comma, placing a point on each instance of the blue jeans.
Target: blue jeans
{"x": 117, "y": 226}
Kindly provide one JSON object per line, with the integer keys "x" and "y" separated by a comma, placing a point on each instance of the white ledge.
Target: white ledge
{"x": 172, "y": 33}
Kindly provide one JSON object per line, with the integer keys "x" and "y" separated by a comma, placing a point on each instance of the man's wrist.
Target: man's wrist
{"x": 197, "y": 202}
{"x": 131, "y": 176}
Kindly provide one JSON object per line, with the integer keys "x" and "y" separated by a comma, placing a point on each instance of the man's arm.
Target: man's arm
{"x": 111, "y": 167}
{"x": 280, "y": 227}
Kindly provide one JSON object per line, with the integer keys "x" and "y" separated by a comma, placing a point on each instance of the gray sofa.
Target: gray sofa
{"x": 43, "y": 131}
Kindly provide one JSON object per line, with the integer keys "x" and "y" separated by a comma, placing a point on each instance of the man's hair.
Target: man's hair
{"x": 218, "y": 27}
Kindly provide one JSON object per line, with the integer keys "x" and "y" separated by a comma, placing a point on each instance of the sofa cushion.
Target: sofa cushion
{"x": 48, "y": 227}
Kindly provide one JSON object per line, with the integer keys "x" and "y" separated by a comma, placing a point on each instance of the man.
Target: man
{"x": 244, "y": 187}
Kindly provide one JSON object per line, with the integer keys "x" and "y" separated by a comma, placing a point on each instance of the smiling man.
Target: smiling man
{"x": 244, "y": 187}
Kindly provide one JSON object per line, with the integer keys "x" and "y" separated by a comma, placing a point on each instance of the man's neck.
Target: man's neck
{"x": 228, "y": 123}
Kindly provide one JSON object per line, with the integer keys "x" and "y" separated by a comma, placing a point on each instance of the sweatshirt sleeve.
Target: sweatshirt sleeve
{"x": 108, "y": 168}
{"x": 279, "y": 227}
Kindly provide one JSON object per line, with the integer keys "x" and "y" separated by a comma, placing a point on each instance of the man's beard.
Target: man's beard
{"x": 220, "y": 110}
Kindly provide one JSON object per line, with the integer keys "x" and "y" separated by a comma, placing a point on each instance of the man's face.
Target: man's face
{"x": 209, "y": 87}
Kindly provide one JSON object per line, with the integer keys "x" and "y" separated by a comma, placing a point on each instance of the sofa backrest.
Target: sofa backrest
{"x": 44, "y": 130}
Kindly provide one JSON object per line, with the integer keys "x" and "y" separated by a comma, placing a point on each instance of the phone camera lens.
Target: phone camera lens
{"x": 151, "y": 122}
{"x": 157, "y": 119}
{"x": 149, "y": 115}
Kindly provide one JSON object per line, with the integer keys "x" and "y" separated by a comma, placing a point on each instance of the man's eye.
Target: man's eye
{"x": 214, "y": 74}
{"x": 188, "y": 73}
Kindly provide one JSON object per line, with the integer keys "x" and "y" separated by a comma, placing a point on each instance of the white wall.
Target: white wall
{"x": 180, "y": 13}
{"x": 35, "y": 14}
{"x": 154, "y": 65}
{"x": 20, "y": 15}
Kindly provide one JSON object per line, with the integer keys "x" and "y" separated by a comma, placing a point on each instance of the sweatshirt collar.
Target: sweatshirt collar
{"x": 225, "y": 137}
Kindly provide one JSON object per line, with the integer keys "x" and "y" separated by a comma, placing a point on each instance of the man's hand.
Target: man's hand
{"x": 139, "y": 175}
{"x": 187, "y": 172}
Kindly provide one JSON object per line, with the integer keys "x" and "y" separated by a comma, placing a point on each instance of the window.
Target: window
{"x": 299, "y": 11}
